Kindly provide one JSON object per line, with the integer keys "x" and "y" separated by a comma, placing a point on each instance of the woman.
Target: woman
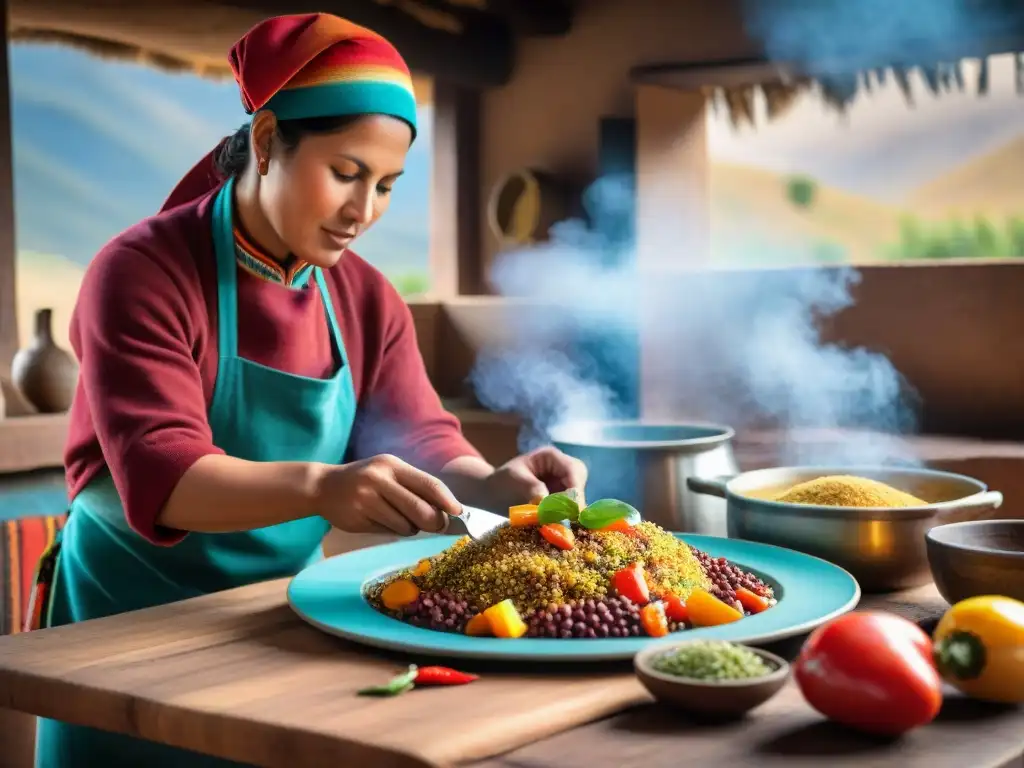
{"x": 246, "y": 381}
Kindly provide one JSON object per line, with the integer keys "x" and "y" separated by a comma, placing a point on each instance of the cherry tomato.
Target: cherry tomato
{"x": 872, "y": 671}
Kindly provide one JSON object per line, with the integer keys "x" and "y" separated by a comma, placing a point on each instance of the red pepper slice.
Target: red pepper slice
{"x": 751, "y": 601}
{"x": 443, "y": 676}
{"x": 631, "y": 584}
{"x": 558, "y": 535}
{"x": 675, "y": 609}
{"x": 653, "y": 620}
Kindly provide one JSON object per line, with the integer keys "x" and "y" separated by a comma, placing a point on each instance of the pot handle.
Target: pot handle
{"x": 709, "y": 486}
{"x": 979, "y": 506}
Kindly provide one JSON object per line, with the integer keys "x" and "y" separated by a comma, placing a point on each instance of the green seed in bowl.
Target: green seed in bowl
{"x": 712, "y": 660}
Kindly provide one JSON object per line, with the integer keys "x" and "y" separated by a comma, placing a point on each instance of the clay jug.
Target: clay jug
{"x": 46, "y": 374}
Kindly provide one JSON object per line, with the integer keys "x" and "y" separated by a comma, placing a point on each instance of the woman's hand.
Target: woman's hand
{"x": 383, "y": 494}
{"x": 537, "y": 473}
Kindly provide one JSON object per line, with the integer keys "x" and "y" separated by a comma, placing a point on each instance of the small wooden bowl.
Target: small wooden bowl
{"x": 983, "y": 557}
{"x": 713, "y": 699}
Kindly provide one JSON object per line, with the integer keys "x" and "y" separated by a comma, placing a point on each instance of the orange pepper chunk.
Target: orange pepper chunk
{"x": 653, "y": 619}
{"x": 619, "y": 526}
{"x": 752, "y": 601}
{"x": 522, "y": 515}
{"x": 706, "y": 610}
{"x": 505, "y": 620}
{"x": 399, "y": 594}
{"x": 479, "y": 626}
{"x": 557, "y": 535}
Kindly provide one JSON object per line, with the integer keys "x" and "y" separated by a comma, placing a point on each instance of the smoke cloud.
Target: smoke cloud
{"x": 739, "y": 348}
{"x": 873, "y": 32}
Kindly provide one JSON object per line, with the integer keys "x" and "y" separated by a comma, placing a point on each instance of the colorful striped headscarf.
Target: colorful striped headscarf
{"x": 306, "y": 66}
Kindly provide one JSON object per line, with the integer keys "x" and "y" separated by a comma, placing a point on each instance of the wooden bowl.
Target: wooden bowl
{"x": 713, "y": 699}
{"x": 983, "y": 557}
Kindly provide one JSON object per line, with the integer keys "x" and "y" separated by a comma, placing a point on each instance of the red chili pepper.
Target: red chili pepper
{"x": 443, "y": 676}
{"x": 675, "y": 609}
{"x": 872, "y": 671}
{"x": 631, "y": 584}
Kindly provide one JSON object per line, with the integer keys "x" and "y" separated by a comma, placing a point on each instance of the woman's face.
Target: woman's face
{"x": 319, "y": 196}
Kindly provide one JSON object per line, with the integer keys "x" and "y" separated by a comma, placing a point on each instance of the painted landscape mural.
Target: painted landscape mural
{"x": 886, "y": 181}
{"x": 99, "y": 144}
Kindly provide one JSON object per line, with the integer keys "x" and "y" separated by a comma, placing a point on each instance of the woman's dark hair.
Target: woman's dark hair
{"x": 234, "y": 155}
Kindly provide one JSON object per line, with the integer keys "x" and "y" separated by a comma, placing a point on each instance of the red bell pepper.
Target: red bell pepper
{"x": 675, "y": 609}
{"x": 871, "y": 671}
{"x": 631, "y": 584}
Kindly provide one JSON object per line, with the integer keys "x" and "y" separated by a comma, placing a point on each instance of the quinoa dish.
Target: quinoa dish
{"x": 563, "y": 570}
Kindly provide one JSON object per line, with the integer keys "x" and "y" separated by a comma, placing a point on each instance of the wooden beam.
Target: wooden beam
{"x": 455, "y": 252}
{"x": 534, "y": 18}
{"x": 479, "y": 56}
{"x": 8, "y": 278}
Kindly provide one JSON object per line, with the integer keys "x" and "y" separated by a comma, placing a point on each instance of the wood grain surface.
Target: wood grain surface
{"x": 238, "y": 675}
{"x": 787, "y": 732}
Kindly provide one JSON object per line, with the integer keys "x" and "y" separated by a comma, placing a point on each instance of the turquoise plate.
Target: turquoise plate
{"x": 329, "y": 595}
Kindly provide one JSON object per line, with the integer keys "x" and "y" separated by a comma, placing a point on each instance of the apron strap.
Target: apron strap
{"x": 332, "y": 320}
{"x": 227, "y": 282}
{"x": 227, "y": 279}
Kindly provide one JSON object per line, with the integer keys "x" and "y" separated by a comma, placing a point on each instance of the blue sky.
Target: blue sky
{"x": 98, "y": 145}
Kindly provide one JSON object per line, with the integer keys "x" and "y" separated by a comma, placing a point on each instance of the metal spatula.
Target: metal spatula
{"x": 476, "y": 523}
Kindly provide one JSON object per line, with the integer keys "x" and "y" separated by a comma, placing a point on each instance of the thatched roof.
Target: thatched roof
{"x": 195, "y": 35}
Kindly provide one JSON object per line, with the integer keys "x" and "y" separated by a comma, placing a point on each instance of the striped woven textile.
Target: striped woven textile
{"x": 22, "y": 542}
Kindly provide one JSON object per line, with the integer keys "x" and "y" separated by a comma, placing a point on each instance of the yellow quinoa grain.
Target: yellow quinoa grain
{"x": 848, "y": 491}
{"x": 516, "y": 563}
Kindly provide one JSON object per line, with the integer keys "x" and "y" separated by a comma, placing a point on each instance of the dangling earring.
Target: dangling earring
{"x": 263, "y": 166}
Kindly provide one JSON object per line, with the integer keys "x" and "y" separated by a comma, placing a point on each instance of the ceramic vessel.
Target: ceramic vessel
{"x": 44, "y": 373}
{"x": 983, "y": 557}
{"x": 883, "y": 548}
{"x": 714, "y": 699}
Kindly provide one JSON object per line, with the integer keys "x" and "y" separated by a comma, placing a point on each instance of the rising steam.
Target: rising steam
{"x": 741, "y": 348}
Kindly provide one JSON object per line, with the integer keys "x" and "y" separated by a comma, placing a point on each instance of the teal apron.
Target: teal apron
{"x": 101, "y": 567}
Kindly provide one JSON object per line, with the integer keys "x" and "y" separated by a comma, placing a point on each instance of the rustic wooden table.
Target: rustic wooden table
{"x": 238, "y": 675}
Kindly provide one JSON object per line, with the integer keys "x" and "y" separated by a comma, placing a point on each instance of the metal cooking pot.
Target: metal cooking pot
{"x": 884, "y": 549}
{"x": 648, "y": 465}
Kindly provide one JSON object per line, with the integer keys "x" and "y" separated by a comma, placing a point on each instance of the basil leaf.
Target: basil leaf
{"x": 604, "y": 512}
{"x": 393, "y": 687}
{"x": 557, "y": 507}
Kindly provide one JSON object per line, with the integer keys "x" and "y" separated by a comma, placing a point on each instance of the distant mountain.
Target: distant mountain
{"x": 991, "y": 184}
{"x": 754, "y": 222}
{"x": 98, "y": 145}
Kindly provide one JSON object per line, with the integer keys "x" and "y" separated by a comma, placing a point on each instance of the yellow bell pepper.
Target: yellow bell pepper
{"x": 505, "y": 620}
{"x": 979, "y": 648}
